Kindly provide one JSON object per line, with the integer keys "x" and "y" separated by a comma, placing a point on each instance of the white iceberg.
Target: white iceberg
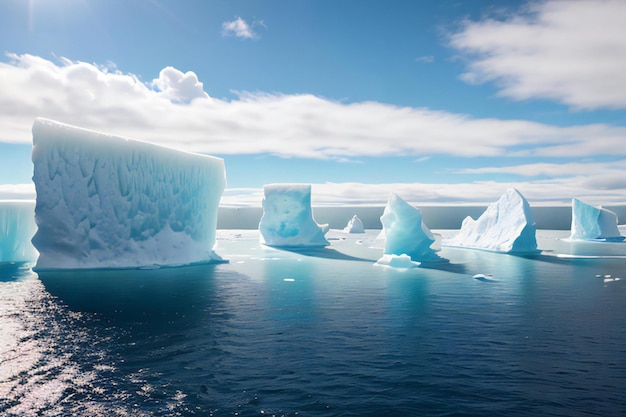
{"x": 17, "y": 227}
{"x": 287, "y": 219}
{"x": 405, "y": 232}
{"x": 506, "y": 226}
{"x": 355, "y": 225}
{"x": 106, "y": 201}
{"x": 589, "y": 222}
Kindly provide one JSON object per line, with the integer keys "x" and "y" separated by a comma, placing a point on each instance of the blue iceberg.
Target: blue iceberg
{"x": 405, "y": 232}
{"x": 287, "y": 219}
{"x": 106, "y": 201}
{"x": 597, "y": 223}
{"x": 355, "y": 225}
{"x": 17, "y": 227}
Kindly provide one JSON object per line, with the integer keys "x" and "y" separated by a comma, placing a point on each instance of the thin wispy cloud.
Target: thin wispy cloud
{"x": 572, "y": 52}
{"x": 425, "y": 59}
{"x": 239, "y": 28}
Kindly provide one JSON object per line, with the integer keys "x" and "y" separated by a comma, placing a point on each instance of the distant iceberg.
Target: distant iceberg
{"x": 589, "y": 222}
{"x": 355, "y": 225}
{"x": 106, "y": 201}
{"x": 405, "y": 233}
{"x": 17, "y": 227}
{"x": 506, "y": 226}
{"x": 287, "y": 219}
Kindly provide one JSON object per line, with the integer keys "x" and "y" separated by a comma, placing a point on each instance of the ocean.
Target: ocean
{"x": 321, "y": 333}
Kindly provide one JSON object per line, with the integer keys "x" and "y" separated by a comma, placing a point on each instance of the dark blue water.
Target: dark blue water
{"x": 317, "y": 334}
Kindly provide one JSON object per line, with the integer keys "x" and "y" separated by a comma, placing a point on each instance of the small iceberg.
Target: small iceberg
{"x": 593, "y": 223}
{"x": 355, "y": 225}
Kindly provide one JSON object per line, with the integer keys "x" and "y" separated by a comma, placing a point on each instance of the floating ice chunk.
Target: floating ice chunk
{"x": 17, "y": 227}
{"x": 506, "y": 226}
{"x": 589, "y": 222}
{"x": 288, "y": 219}
{"x": 397, "y": 261}
{"x": 109, "y": 202}
{"x": 405, "y": 232}
{"x": 355, "y": 225}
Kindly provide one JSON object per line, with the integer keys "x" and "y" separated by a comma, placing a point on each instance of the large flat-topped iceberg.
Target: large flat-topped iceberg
{"x": 597, "y": 223}
{"x": 288, "y": 219}
{"x": 17, "y": 227}
{"x": 506, "y": 226}
{"x": 106, "y": 201}
{"x": 405, "y": 232}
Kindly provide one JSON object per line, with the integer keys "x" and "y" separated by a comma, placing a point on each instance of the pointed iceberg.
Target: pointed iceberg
{"x": 593, "y": 223}
{"x": 355, "y": 225}
{"x": 106, "y": 201}
{"x": 288, "y": 219}
{"x": 405, "y": 232}
{"x": 506, "y": 226}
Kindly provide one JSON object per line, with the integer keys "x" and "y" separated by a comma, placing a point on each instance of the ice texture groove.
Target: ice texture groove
{"x": 506, "y": 226}
{"x": 105, "y": 201}
{"x": 17, "y": 227}
{"x": 287, "y": 219}
{"x": 589, "y": 222}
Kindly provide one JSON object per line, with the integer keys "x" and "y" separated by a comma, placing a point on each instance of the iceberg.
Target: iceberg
{"x": 105, "y": 201}
{"x": 17, "y": 227}
{"x": 405, "y": 232}
{"x": 506, "y": 226}
{"x": 597, "y": 223}
{"x": 355, "y": 225}
{"x": 288, "y": 219}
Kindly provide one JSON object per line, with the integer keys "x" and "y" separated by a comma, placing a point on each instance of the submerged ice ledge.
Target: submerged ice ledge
{"x": 106, "y": 201}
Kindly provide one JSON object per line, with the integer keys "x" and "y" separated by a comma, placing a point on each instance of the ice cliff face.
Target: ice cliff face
{"x": 105, "y": 201}
{"x": 17, "y": 227}
{"x": 405, "y": 232}
{"x": 506, "y": 226}
{"x": 288, "y": 219}
{"x": 590, "y": 222}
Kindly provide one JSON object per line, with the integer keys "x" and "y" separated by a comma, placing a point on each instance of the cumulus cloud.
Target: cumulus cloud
{"x": 178, "y": 86}
{"x": 569, "y": 51}
{"x": 238, "y": 28}
{"x": 304, "y": 125}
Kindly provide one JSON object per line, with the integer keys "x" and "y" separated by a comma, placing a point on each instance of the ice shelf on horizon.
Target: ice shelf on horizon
{"x": 405, "y": 233}
{"x": 355, "y": 225}
{"x": 593, "y": 223}
{"x": 105, "y": 201}
{"x": 287, "y": 219}
{"x": 506, "y": 226}
{"x": 17, "y": 227}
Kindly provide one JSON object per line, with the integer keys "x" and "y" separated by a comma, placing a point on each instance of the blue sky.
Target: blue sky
{"x": 440, "y": 102}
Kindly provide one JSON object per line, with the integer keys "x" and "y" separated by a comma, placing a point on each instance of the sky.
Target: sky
{"x": 446, "y": 102}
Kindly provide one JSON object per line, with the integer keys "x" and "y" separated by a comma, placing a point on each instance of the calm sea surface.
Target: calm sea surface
{"x": 319, "y": 333}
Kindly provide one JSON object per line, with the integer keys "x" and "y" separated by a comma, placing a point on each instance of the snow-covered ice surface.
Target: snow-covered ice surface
{"x": 355, "y": 225}
{"x": 589, "y": 222}
{"x": 405, "y": 232}
{"x": 17, "y": 227}
{"x": 288, "y": 219}
{"x": 506, "y": 226}
{"x": 106, "y": 201}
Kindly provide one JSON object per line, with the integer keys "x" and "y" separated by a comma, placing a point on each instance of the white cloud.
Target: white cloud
{"x": 571, "y": 51}
{"x": 179, "y": 87}
{"x": 239, "y": 28}
{"x": 287, "y": 125}
{"x": 553, "y": 169}
{"x": 598, "y": 189}
{"x": 17, "y": 191}
{"x": 426, "y": 59}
